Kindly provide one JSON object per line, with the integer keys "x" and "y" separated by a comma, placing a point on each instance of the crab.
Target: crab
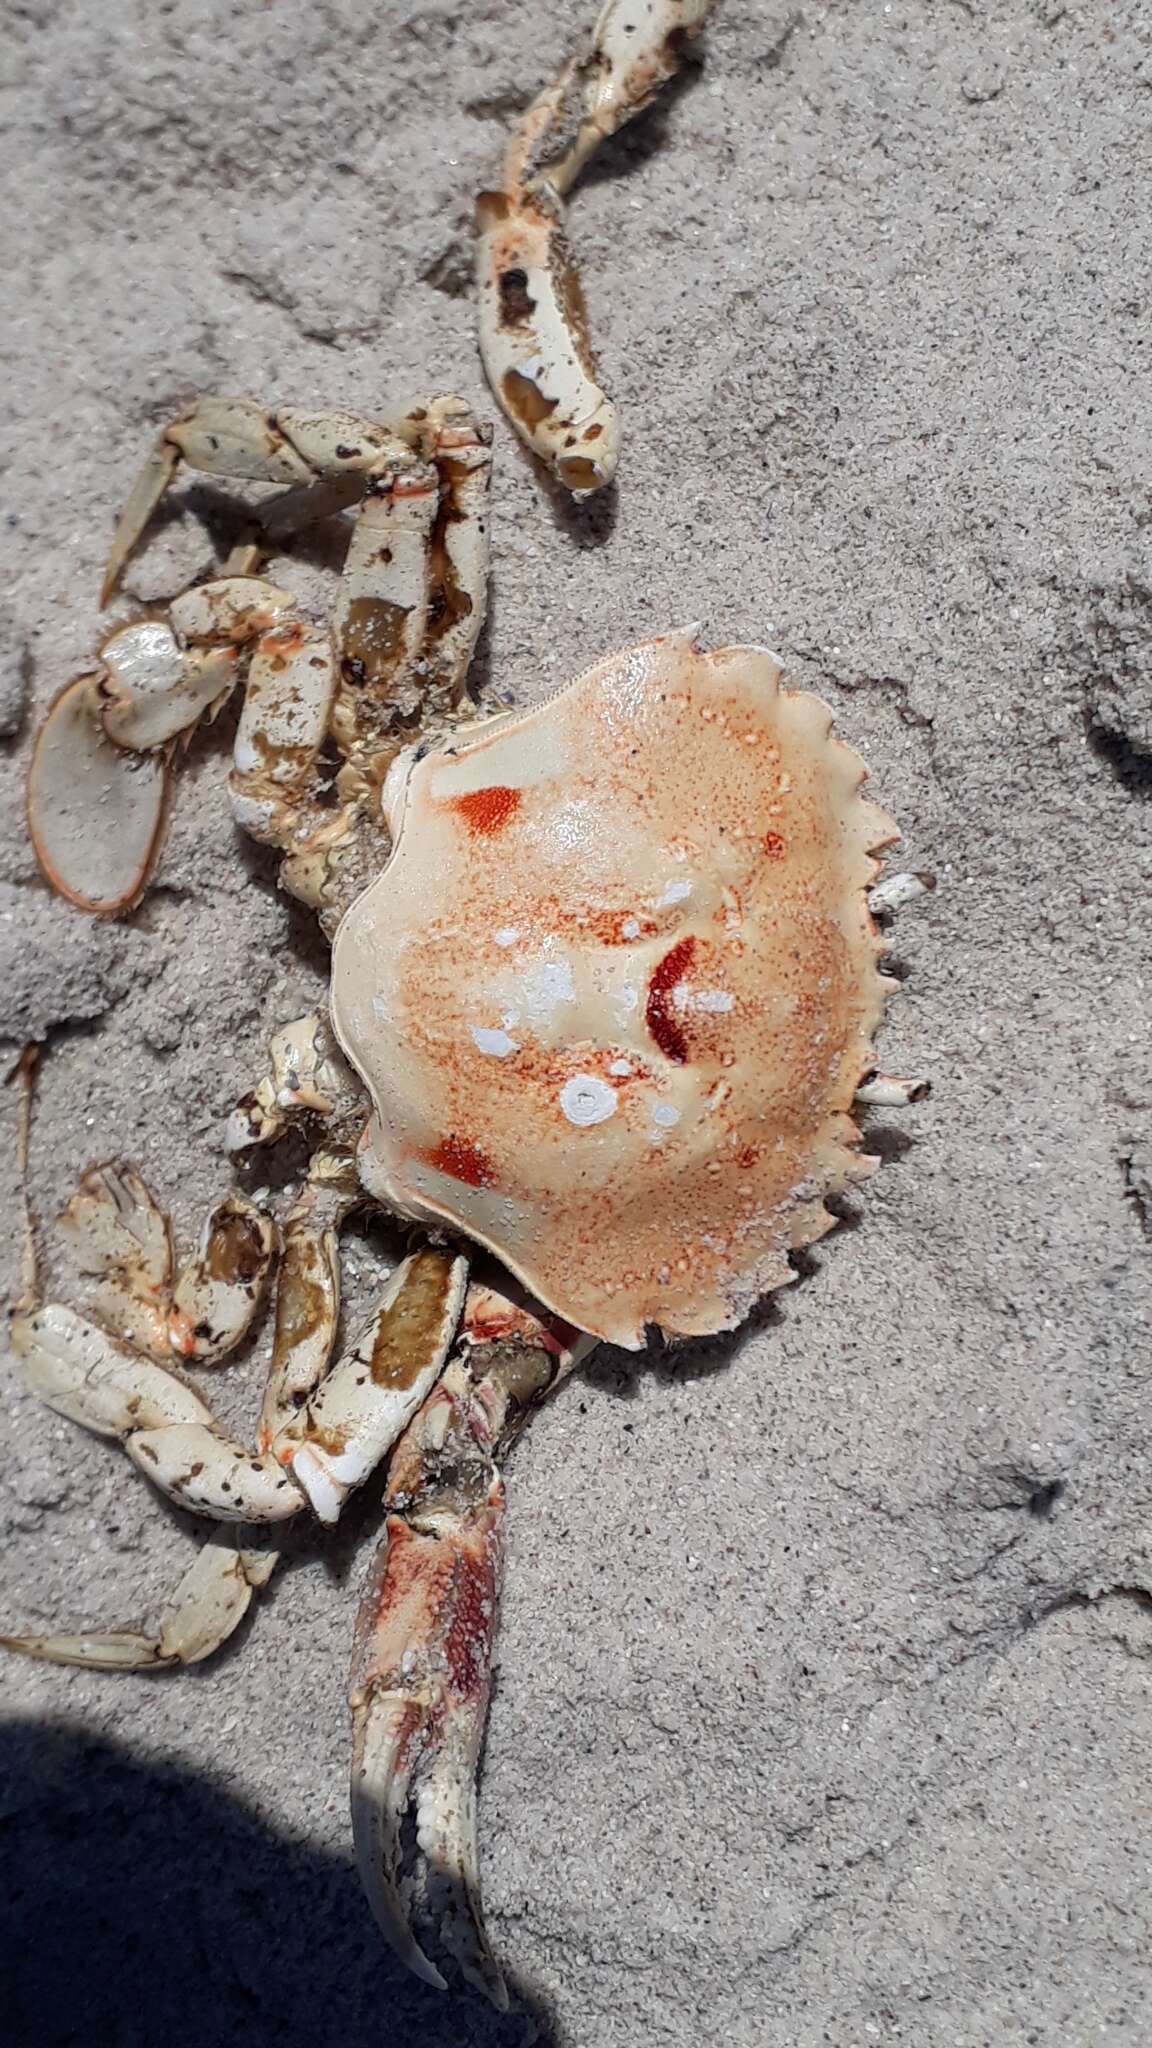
{"x": 604, "y": 994}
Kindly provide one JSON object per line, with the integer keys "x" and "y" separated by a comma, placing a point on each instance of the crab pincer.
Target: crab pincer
{"x": 422, "y": 1663}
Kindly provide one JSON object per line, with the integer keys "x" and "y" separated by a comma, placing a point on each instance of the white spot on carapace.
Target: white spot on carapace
{"x": 630, "y": 929}
{"x": 620, "y": 1067}
{"x": 586, "y": 1099}
{"x": 546, "y": 984}
{"x": 493, "y": 1041}
{"x": 665, "y": 1114}
{"x": 507, "y": 935}
{"x": 715, "y": 999}
{"x": 676, "y": 892}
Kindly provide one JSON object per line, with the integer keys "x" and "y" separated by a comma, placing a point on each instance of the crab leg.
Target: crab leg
{"x": 533, "y": 332}
{"x": 308, "y": 1082}
{"x": 308, "y": 1293}
{"x": 210, "y": 1601}
{"x": 236, "y": 437}
{"x": 308, "y": 1078}
{"x": 413, "y": 595}
{"x": 282, "y": 728}
{"x": 422, "y": 1663}
{"x": 119, "y": 1234}
{"x": 77, "y": 1369}
{"x": 217, "y": 1296}
{"x": 239, "y": 438}
{"x": 372, "y": 1392}
{"x": 637, "y": 46}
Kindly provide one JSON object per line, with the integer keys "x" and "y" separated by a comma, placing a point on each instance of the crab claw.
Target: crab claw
{"x": 419, "y": 1700}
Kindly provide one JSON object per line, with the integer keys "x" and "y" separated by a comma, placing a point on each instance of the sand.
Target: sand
{"x": 824, "y": 1689}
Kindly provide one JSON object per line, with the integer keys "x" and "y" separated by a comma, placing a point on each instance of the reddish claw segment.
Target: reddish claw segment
{"x": 427, "y": 1628}
{"x": 422, "y": 1665}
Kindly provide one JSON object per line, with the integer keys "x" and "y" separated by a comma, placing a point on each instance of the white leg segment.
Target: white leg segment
{"x": 200, "y": 1614}
{"x": 218, "y": 1294}
{"x": 374, "y": 1390}
{"x": 283, "y": 726}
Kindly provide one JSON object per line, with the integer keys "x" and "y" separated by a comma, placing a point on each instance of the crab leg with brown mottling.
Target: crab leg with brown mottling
{"x": 422, "y": 1662}
{"x": 411, "y": 606}
{"x": 533, "y": 331}
{"x": 121, "y": 1389}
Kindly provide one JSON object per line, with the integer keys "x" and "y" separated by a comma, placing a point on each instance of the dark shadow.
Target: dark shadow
{"x": 1130, "y": 764}
{"x": 644, "y": 137}
{"x": 142, "y": 1904}
{"x": 589, "y": 521}
{"x": 671, "y": 1359}
{"x": 885, "y": 1142}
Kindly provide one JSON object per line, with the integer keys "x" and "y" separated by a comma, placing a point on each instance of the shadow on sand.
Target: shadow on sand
{"x": 142, "y": 1906}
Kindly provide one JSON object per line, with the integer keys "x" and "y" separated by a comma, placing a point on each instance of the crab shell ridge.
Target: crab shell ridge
{"x": 615, "y": 989}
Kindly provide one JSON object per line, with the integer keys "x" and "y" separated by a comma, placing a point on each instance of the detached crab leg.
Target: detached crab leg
{"x": 422, "y": 1662}
{"x": 209, "y": 1603}
{"x": 533, "y": 331}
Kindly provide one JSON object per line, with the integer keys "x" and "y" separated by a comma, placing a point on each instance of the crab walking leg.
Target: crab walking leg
{"x": 170, "y": 1434}
{"x": 373, "y": 1391}
{"x": 118, "y": 1233}
{"x": 239, "y": 438}
{"x": 218, "y": 1294}
{"x": 414, "y": 591}
{"x": 637, "y": 46}
{"x": 534, "y": 337}
{"x": 121, "y": 1236}
{"x": 460, "y": 553}
{"x": 422, "y": 1663}
{"x": 308, "y": 1292}
{"x": 533, "y": 331}
{"x": 308, "y": 1078}
{"x": 381, "y": 616}
{"x": 200, "y": 1614}
{"x": 283, "y": 726}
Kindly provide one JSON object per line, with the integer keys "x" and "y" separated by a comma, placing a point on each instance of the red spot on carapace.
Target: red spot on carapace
{"x": 774, "y": 846}
{"x": 658, "y": 1016}
{"x": 487, "y": 811}
{"x": 463, "y": 1160}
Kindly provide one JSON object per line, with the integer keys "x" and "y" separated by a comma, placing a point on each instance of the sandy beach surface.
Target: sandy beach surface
{"x": 825, "y": 1692}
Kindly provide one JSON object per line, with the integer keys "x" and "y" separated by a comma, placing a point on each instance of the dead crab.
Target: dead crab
{"x": 604, "y": 991}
